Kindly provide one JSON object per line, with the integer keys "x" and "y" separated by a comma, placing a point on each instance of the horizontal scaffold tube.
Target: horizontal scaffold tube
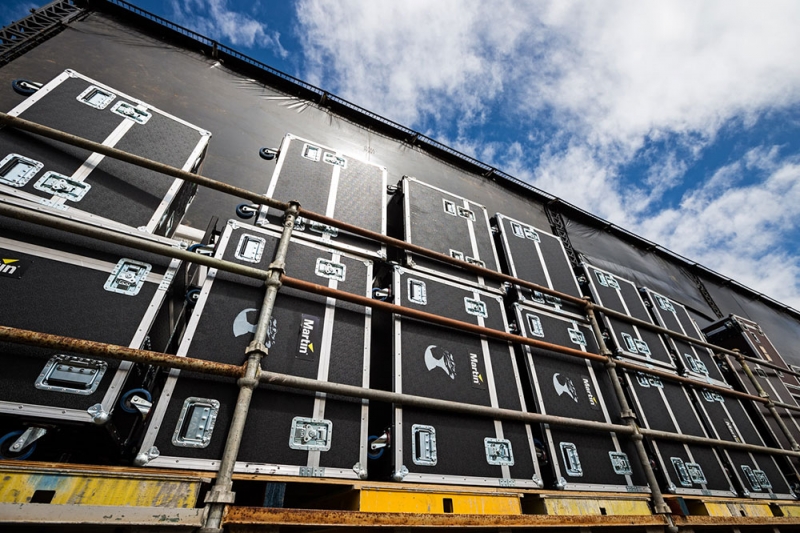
{"x": 119, "y": 353}
{"x": 127, "y": 240}
{"x": 110, "y": 351}
{"x": 235, "y": 268}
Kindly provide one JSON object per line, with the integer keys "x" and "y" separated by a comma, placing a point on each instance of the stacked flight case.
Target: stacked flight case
{"x": 559, "y": 384}
{"x": 449, "y": 224}
{"x": 81, "y": 287}
{"x": 441, "y": 363}
{"x": 288, "y": 431}
{"x": 565, "y": 385}
{"x": 437, "y": 362}
{"x": 739, "y": 333}
{"x": 332, "y": 183}
{"x": 531, "y": 254}
{"x": 63, "y": 284}
{"x": 90, "y": 185}
{"x": 665, "y": 405}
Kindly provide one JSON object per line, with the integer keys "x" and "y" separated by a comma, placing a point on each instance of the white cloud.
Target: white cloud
{"x": 215, "y": 19}
{"x": 738, "y": 230}
{"x": 609, "y": 80}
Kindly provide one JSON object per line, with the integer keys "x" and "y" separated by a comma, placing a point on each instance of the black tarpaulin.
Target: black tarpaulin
{"x": 609, "y": 252}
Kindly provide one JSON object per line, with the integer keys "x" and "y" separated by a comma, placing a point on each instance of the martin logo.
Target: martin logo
{"x": 242, "y": 326}
{"x": 567, "y": 387}
{"x": 478, "y": 382}
{"x": 12, "y": 267}
{"x": 308, "y": 343}
{"x": 587, "y": 386}
{"x": 436, "y": 357}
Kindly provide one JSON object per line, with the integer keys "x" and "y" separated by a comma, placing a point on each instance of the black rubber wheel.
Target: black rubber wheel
{"x": 370, "y": 454}
{"x": 123, "y": 401}
{"x": 5, "y": 452}
{"x": 245, "y": 211}
{"x": 267, "y": 154}
{"x": 24, "y": 87}
{"x": 192, "y": 296}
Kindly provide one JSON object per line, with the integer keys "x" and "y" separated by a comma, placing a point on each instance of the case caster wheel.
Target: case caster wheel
{"x": 125, "y": 400}
{"x": 201, "y": 249}
{"x": 267, "y": 154}
{"x": 5, "y": 447}
{"x": 376, "y": 444}
{"x": 246, "y": 211}
{"x": 25, "y": 87}
{"x": 192, "y": 296}
{"x": 377, "y": 454}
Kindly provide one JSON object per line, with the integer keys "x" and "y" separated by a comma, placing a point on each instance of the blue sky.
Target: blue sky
{"x": 677, "y": 120}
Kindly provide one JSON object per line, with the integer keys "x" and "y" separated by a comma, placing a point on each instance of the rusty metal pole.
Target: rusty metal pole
{"x": 629, "y": 417}
{"x": 221, "y": 494}
{"x": 770, "y": 405}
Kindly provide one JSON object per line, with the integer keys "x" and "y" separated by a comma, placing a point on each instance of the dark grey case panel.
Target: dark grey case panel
{"x": 534, "y": 255}
{"x": 728, "y": 420}
{"x": 451, "y": 225}
{"x": 442, "y": 363}
{"x": 667, "y": 406}
{"x": 330, "y": 183}
{"x": 221, "y": 329}
{"x": 118, "y": 191}
{"x": 622, "y": 296}
{"x": 568, "y": 386}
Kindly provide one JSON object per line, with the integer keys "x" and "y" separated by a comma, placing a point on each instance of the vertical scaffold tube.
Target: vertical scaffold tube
{"x": 773, "y": 411}
{"x": 628, "y": 416}
{"x": 221, "y": 494}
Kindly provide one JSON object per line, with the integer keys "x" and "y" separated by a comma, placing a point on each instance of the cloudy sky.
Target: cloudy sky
{"x": 677, "y": 120}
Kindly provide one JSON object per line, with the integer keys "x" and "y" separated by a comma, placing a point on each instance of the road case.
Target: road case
{"x": 695, "y": 361}
{"x": 329, "y": 182}
{"x": 745, "y": 335}
{"x": 91, "y": 185}
{"x": 631, "y": 341}
{"x": 568, "y": 386}
{"x": 667, "y": 406}
{"x": 757, "y": 475}
{"x": 448, "y": 224}
{"x": 437, "y": 362}
{"x": 63, "y": 284}
{"x": 288, "y": 431}
{"x": 534, "y": 255}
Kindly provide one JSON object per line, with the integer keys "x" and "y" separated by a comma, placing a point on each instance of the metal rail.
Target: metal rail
{"x": 110, "y": 351}
{"x": 221, "y": 494}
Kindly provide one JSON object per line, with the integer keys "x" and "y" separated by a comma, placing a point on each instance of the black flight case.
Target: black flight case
{"x": 63, "y": 284}
{"x": 665, "y": 405}
{"x": 758, "y": 475}
{"x": 622, "y": 296}
{"x": 534, "y": 255}
{"x": 449, "y": 224}
{"x": 90, "y": 185}
{"x": 568, "y": 386}
{"x": 288, "y": 431}
{"x": 447, "y": 364}
{"x": 331, "y": 183}
{"x": 736, "y": 332}
{"x": 693, "y": 360}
